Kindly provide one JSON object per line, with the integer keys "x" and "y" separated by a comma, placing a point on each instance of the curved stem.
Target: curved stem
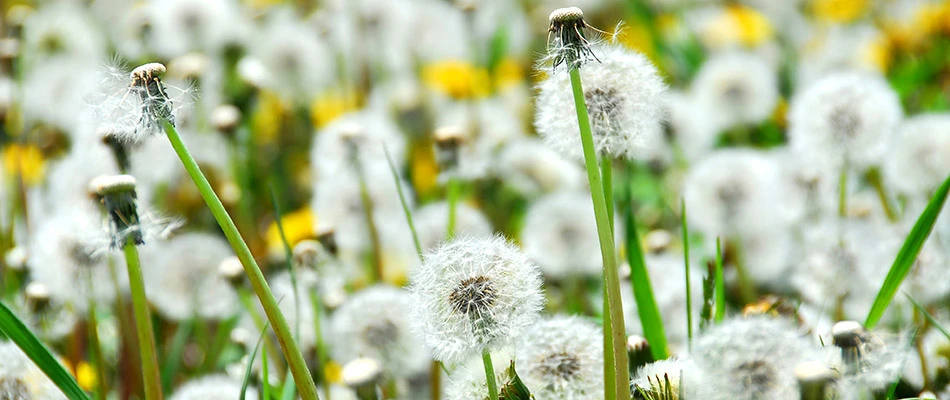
{"x": 143, "y": 325}
{"x": 302, "y": 378}
{"x": 490, "y": 375}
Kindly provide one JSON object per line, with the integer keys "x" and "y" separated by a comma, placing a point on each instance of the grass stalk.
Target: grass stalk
{"x": 873, "y": 177}
{"x": 490, "y": 375}
{"x": 143, "y": 325}
{"x": 377, "y": 271}
{"x": 454, "y": 189}
{"x": 843, "y": 193}
{"x": 720, "y": 285}
{"x": 650, "y": 318}
{"x": 95, "y": 348}
{"x": 295, "y": 361}
{"x": 689, "y": 294}
{"x": 618, "y": 388}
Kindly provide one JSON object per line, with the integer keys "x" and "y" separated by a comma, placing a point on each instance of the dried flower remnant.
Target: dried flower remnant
{"x": 134, "y": 108}
{"x": 570, "y": 46}
{"x": 472, "y": 294}
{"x": 117, "y": 195}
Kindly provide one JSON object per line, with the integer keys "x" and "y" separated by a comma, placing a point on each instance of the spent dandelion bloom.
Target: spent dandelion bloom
{"x": 468, "y": 380}
{"x": 562, "y": 357}
{"x": 66, "y": 253}
{"x": 666, "y": 376}
{"x": 359, "y": 136}
{"x": 212, "y": 387}
{"x": 751, "y": 358}
{"x": 134, "y": 105}
{"x": 472, "y": 294}
{"x": 374, "y": 323}
{"x": 127, "y": 221}
{"x": 61, "y": 31}
{"x": 21, "y": 379}
{"x": 560, "y": 235}
{"x": 737, "y": 192}
{"x": 184, "y": 282}
{"x": 532, "y": 168}
{"x": 625, "y": 98}
{"x": 738, "y": 88}
{"x": 50, "y": 319}
{"x": 843, "y": 119}
{"x": 917, "y": 165}
{"x": 869, "y": 361}
{"x": 180, "y": 26}
{"x": 362, "y": 375}
{"x": 431, "y": 223}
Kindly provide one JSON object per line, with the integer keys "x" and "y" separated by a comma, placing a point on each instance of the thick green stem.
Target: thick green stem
{"x": 302, "y": 378}
{"x": 490, "y": 375}
{"x": 143, "y": 325}
{"x": 606, "y": 172}
{"x": 96, "y": 349}
{"x": 619, "y": 389}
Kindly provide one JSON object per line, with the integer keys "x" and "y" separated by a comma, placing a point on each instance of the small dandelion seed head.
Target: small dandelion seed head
{"x": 21, "y": 379}
{"x": 308, "y": 253}
{"x": 869, "y": 361}
{"x": 652, "y": 378}
{"x": 231, "y": 270}
{"x": 562, "y": 357}
{"x": 361, "y": 372}
{"x": 213, "y": 387}
{"x": 560, "y": 235}
{"x": 473, "y": 293}
{"x": 37, "y": 294}
{"x": 813, "y": 373}
{"x": 225, "y": 118}
{"x": 431, "y": 223}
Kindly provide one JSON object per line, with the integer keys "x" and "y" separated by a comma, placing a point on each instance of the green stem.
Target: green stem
{"x": 490, "y": 375}
{"x": 689, "y": 295}
{"x": 377, "y": 271}
{"x": 453, "y": 187}
{"x": 720, "y": 285}
{"x": 308, "y": 390}
{"x": 619, "y": 389}
{"x": 320, "y": 345}
{"x": 874, "y": 178}
{"x": 606, "y": 172}
{"x": 96, "y": 350}
{"x": 143, "y": 325}
{"x": 843, "y": 193}
{"x": 650, "y": 319}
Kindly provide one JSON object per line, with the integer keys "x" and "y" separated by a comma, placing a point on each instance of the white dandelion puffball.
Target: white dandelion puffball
{"x": 737, "y": 192}
{"x": 918, "y": 161}
{"x": 432, "y": 221}
{"x": 563, "y": 358}
{"x": 184, "y": 281}
{"x": 652, "y": 377}
{"x": 751, "y": 358}
{"x": 668, "y": 280}
{"x": 369, "y": 131}
{"x": 374, "y": 323}
{"x": 472, "y": 294}
{"x": 847, "y": 117}
{"x": 736, "y": 88}
{"x": 21, "y": 379}
{"x": 532, "y": 168}
{"x": 214, "y": 387}
{"x": 560, "y": 235}
{"x": 625, "y": 101}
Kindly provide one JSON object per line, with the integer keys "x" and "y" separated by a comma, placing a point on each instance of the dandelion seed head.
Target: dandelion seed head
{"x": 738, "y": 88}
{"x": 185, "y": 281}
{"x": 21, "y": 379}
{"x": 845, "y": 118}
{"x": 213, "y": 387}
{"x": 868, "y": 361}
{"x": 48, "y": 318}
{"x": 625, "y": 100}
{"x": 361, "y": 372}
{"x": 751, "y": 358}
{"x": 668, "y": 281}
{"x": 431, "y": 223}
{"x": 651, "y": 378}
{"x": 562, "y": 357}
{"x": 374, "y": 323}
{"x": 917, "y": 164}
{"x": 367, "y": 132}
{"x": 473, "y": 293}
{"x": 560, "y": 235}
{"x": 532, "y": 168}
{"x": 180, "y": 26}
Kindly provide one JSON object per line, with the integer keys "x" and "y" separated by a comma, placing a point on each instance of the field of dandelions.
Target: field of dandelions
{"x": 474, "y": 199}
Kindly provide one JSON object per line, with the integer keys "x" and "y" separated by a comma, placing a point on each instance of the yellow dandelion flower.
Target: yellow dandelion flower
{"x": 509, "y": 72}
{"x": 457, "y": 79}
{"x": 298, "y": 225}
{"x": 334, "y": 372}
{"x": 839, "y": 11}
{"x": 877, "y": 53}
{"x": 25, "y": 161}
{"x": 267, "y": 117}
{"x": 638, "y": 37}
{"x": 332, "y": 104}
{"x": 86, "y": 376}
{"x": 738, "y": 25}
{"x": 780, "y": 112}
{"x": 425, "y": 171}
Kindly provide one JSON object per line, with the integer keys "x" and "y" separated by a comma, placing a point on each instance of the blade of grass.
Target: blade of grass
{"x": 289, "y": 391}
{"x": 689, "y": 295}
{"x": 18, "y": 333}
{"x": 173, "y": 361}
{"x": 405, "y": 205}
{"x": 930, "y": 317}
{"x": 288, "y": 255}
{"x": 250, "y": 362}
{"x": 649, "y": 312}
{"x": 720, "y": 285}
{"x": 907, "y": 254}
{"x": 308, "y": 390}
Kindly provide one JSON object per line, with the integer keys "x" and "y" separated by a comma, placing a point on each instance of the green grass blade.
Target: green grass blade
{"x": 930, "y": 317}
{"x": 720, "y": 285}
{"x": 173, "y": 360}
{"x": 289, "y": 391}
{"x": 649, "y": 312}
{"x": 402, "y": 200}
{"x": 689, "y": 294}
{"x": 18, "y": 333}
{"x": 289, "y": 255}
{"x": 907, "y": 255}
{"x": 250, "y": 361}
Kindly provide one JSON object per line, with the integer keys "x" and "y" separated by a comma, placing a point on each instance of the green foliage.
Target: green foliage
{"x": 514, "y": 389}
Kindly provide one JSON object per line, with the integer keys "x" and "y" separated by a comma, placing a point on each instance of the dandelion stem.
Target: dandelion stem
{"x": 143, "y": 325}
{"x": 720, "y": 285}
{"x": 617, "y": 386}
{"x": 490, "y": 374}
{"x": 377, "y": 272}
{"x": 843, "y": 193}
{"x": 298, "y": 367}
{"x": 874, "y": 178}
{"x": 96, "y": 352}
{"x": 689, "y": 295}
{"x": 453, "y": 187}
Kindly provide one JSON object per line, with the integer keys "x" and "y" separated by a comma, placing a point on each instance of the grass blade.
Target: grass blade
{"x": 250, "y": 361}
{"x": 13, "y": 328}
{"x": 402, "y": 200}
{"x": 173, "y": 360}
{"x": 907, "y": 254}
{"x": 933, "y": 321}
{"x": 649, "y": 312}
{"x": 720, "y": 285}
{"x": 689, "y": 294}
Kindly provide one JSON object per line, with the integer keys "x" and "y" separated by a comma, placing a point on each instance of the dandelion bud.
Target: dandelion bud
{"x": 226, "y": 118}
{"x": 638, "y": 351}
{"x": 37, "y": 296}
{"x": 116, "y": 193}
{"x": 307, "y": 253}
{"x": 656, "y": 241}
{"x": 326, "y": 235}
{"x": 473, "y": 294}
{"x": 569, "y": 45}
{"x": 232, "y": 270}
{"x": 362, "y": 375}
{"x": 448, "y": 141}
{"x": 15, "y": 258}
{"x": 813, "y": 379}
{"x": 119, "y": 149}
